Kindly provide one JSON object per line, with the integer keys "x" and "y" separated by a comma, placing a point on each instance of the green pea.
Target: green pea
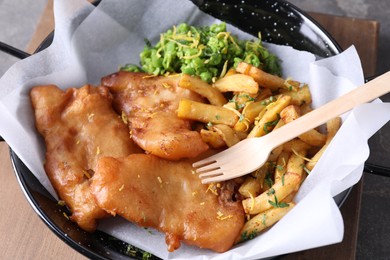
{"x": 252, "y": 59}
{"x": 206, "y": 76}
{"x": 213, "y": 71}
{"x": 197, "y": 62}
{"x": 188, "y": 70}
{"x": 215, "y": 59}
{"x": 183, "y": 28}
{"x": 190, "y": 52}
{"x": 202, "y": 51}
{"x": 213, "y": 44}
{"x": 217, "y": 28}
{"x": 236, "y": 61}
{"x": 156, "y": 61}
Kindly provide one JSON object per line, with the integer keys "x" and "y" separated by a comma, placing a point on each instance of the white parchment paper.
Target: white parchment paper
{"x": 92, "y": 42}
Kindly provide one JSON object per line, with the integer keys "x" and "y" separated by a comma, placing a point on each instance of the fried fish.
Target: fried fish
{"x": 167, "y": 195}
{"x": 79, "y": 126}
{"x": 150, "y": 104}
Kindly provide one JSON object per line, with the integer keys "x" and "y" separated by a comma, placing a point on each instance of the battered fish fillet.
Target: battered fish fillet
{"x": 166, "y": 195}
{"x": 79, "y": 126}
{"x": 150, "y": 104}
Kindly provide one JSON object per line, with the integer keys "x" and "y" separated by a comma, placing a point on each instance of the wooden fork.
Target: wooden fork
{"x": 250, "y": 154}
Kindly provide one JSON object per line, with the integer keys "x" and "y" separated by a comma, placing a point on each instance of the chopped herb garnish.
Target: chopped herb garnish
{"x": 271, "y": 191}
{"x": 270, "y": 124}
{"x": 263, "y": 220}
{"x": 245, "y": 236}
{"x": 248, "y": 97}
{"x": 238, "y": 107}
{"x": 278, "y": 204}
{"x": 268, "y": 179}
{"x": 268, "y": 101}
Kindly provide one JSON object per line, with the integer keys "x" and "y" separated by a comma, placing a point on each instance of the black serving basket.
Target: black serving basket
{"x": 278, "y": 21}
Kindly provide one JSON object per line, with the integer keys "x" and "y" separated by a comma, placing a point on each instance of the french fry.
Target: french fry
{"x": 271, "y": 115}
{"x": 272, "y": 196}
{"x": 251, "y": 111}
{"x": 263, "y": 93}
{"x": 299, "y": 97}
{"x": 279, "y": 124}
{"x": 296, "y": 145}
{"x": 212, "y": 138}
{"x": 206, "y": 113}
{"x": 292, "y": 85}
{"x": 241, "y": 135}
{"x": 241, "y": 98}
{"x": 278, "y": 150}
{"x": 251, "y": 187}
{"x": 263, "y": 174}
{"x": 227, "y": 134}
{"x": 290, "y": 197}
{"x": 264, "y": 79}
{"x": 332, "y": 127}
{"x": 249, "y": 114}
{"x": 268, "y": 192}
{"x": 286, "y": 184}
{"x": 201, "y": 87}
{"x": 281, "y": 165}
{"x": 275, "y": 153}
{"x": 311, "y": 137}
{"x": 262, "y": 221}
{"x": 306, "y": 108}
{"x": 237, "y": 83}
{"x": 295, "y": 165}
{"x": 290, "y": 113}
{"x": 230, "y": 72}
{"x": 255, "y": 183}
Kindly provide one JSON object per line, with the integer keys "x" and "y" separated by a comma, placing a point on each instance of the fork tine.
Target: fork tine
{"x": 207, "y": 168}
{"x": 217, "y": 178}
{"x": 216, "y": 172}
{"x": 204, "y": 162}
{"x": 221, "y": 156}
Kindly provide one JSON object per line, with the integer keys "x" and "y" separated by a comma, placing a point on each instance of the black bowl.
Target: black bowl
{"x": 279, "y": 22}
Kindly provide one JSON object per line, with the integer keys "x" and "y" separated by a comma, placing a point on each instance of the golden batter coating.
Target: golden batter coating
{"x": 79, "y": 126}
{"x": 150, "y": 104}
{"x": 168, "y": 196}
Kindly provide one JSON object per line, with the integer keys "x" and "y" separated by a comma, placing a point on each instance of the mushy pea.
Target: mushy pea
{"x": 207, "y": 52}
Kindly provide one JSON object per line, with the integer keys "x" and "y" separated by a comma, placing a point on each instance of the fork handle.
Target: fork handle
{"x": 363, "y": 94}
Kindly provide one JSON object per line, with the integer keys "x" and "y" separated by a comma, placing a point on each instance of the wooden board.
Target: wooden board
{"x": 361, "y": 33}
